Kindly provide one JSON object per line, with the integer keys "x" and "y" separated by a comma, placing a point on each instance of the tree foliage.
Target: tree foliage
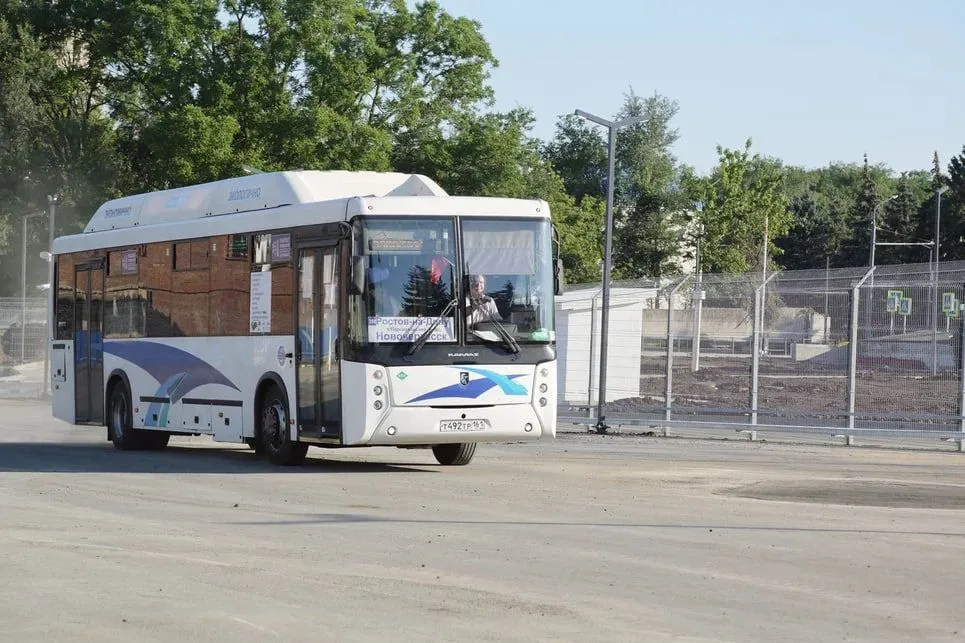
{"x": 744, "y": 203}
{"x": 100, "y": 98}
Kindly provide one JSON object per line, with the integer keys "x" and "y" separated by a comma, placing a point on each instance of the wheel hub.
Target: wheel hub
{"x": 273, "y": 423}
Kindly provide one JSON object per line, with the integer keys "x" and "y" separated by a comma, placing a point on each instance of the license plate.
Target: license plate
{"x": 463, "y": 425}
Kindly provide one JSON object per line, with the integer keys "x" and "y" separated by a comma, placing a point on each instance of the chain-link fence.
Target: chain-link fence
{"x": 22, "y": 345}
{"x": 850, "y": 350}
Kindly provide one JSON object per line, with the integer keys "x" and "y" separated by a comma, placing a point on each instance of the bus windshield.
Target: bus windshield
{"x": 410, "y": 278}
{"x": 509, "y": 269}
{"x": 503, "y": 293}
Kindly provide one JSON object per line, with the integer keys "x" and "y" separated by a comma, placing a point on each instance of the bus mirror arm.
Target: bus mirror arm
{"x": 358, "y": 275}
{"x": 558, "y": 279}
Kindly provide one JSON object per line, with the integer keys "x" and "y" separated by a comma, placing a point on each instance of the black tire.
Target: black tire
{"x": 274, "y": 433}
{"x": 120, "y": 423}
{"x": 255, "y": 445}
{"x": 452, "y": 455}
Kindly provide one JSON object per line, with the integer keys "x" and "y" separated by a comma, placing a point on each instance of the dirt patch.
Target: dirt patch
{"x": 785, "y": 385}
{"x": 857, "y": 493}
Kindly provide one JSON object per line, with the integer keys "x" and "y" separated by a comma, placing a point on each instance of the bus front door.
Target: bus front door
{"x": 316, "y": 346}
{"x": 89, "y": 344}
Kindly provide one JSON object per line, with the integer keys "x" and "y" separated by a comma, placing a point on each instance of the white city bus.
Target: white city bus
{"x": 289, "y": 309}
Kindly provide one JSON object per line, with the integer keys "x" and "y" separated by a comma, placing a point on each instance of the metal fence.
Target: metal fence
{"x": 856, "y": 351}
{"x": 22, "y": 345}
{"x": 852, "y": 351}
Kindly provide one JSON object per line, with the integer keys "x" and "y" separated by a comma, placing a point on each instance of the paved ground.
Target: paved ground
{"x": 588, "y": 538}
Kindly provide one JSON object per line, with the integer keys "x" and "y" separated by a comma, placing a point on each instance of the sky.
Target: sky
{"x": 809, "y": 82}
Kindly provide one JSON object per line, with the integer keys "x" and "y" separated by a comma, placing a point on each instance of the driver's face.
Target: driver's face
{"x": 478, "y": 286}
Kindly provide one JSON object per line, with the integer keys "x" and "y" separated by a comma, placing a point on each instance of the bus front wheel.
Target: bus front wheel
{"x": 454, "y": 454}
{"x": 275, "y": 433}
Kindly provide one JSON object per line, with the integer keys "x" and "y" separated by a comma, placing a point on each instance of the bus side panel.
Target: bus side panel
{"x": 260, "y": 358}
{"x": 174, "y": 380}
{"x": 62, "y": 380}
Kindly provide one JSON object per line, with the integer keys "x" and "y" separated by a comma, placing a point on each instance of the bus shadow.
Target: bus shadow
{"x": 85, "y": 457}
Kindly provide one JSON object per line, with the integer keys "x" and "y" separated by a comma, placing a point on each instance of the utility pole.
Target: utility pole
{"x": 50, "y": 324}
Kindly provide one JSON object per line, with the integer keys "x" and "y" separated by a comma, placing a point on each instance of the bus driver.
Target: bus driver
{"x": 481, "y": 307}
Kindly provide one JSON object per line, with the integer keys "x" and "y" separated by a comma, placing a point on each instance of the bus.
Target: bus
{"x": 291, "y": 309}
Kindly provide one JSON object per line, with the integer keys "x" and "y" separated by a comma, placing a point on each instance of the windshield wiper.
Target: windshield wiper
{"x": 421, "y": 340}
{"x": 504, "y": 334}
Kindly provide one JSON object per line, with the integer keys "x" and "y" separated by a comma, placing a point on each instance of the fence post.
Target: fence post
{"x": 853, "y": 354}
{"x": 593, "y": 369}
{"x": 756, "y": 353}
{"x": 961, "y": 370}
{"x": 668, "y": 376}
{"x": 853, "y": 346}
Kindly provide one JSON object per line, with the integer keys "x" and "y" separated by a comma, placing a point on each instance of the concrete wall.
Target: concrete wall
{"x": 795, "y": 324}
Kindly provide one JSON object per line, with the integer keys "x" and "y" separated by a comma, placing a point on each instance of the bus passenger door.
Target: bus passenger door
{"x": 316, "y": 354}
{"x": 89, "y": 344}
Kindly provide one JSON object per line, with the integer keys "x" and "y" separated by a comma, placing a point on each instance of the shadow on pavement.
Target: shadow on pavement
{"x": 84, "y": 457}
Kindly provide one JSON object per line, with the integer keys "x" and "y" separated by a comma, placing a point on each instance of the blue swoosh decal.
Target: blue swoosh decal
{"x": 476, "y": 387}
{"x": 177, "y": 371}
{"x": 508, "y": 386}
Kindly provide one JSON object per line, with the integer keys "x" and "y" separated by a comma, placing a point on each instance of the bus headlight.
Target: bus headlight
{"x": 377, "y": 390}
{"x": 378, "y": 405}
{"x": 542, "y": 401}
{"x": 543, "y": 388}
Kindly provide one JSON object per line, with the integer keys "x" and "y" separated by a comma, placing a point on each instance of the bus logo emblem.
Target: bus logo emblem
{"x": 464, "y": 378}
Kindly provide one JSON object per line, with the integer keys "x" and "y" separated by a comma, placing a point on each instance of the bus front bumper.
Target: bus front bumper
{"x": 426, "y": 426}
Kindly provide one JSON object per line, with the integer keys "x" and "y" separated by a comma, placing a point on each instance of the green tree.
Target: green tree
{"x": 578, "y": 153}
{"x": 650, "y": 209}
{"x": 865, "y": 209}
{"x": 900, "y": 225}
{"x": 819, "y": 227}
{"x": 744, "y": 202}
{"x": 54, "y": 138}
{"x": 952, "y": 207}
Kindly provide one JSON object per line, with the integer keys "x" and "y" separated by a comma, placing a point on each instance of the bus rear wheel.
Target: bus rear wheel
{"x": 274, "y": 432}
{"x": 121, "y": 425}
{"x": 454, "y": 454}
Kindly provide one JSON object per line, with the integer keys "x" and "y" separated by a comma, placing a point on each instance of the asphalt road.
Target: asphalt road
{"x": 588, "y": 538}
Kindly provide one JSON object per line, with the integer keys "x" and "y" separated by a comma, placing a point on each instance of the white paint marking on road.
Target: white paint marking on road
{"x": 254, "y": 626}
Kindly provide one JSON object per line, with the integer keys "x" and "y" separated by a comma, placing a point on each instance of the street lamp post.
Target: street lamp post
{"x": 612, "y": 126}
{"x": 49, "y": 325}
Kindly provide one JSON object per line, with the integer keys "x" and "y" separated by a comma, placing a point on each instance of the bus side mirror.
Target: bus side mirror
{"x": 558, "y": 280}
{"x": 358, "y": 276}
